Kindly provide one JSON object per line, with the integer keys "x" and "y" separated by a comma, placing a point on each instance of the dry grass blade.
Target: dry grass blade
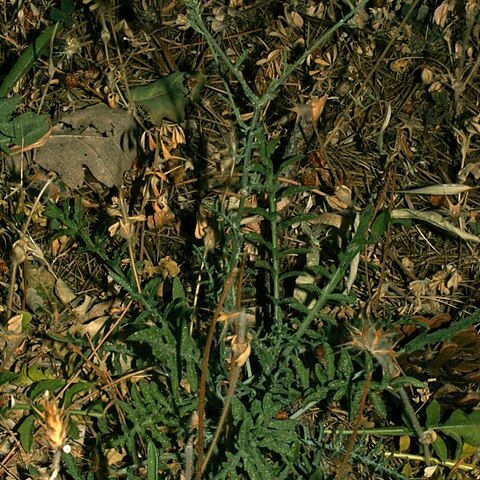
{"x": 444, "y": 189}
{"x": 435, "y": 219}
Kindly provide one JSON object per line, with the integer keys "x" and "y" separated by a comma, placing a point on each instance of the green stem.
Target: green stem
{"x": 277, "y": 311}
{"x": 354, "y": 247}
{"x": 415, "y": 423}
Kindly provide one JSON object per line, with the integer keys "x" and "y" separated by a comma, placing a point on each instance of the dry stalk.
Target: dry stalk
{"x": 94, "y": 354}
{"x": 203, "y": 377}
{"x": 23, "y": 247}
{"x": 127, "y": 231}
{"x": 356, "y": 426}
{"x": 419, "y": 430}
{"x": 240, "y": 352}
{"x": 369, "y": 76}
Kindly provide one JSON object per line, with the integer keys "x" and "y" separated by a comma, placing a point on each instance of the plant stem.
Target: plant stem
{"x": 415, "y": 423}
{"x": 277, "y": 312}
{"x": 356, "y": 427}
{"x": 240, "y": 345}
{"x": 354, "y": 247}
{"x": 203, "y": 377}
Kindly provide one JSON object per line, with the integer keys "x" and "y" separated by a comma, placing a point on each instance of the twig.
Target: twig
{"x": 232, "y": 386}
{"x": 17, "y": 259}
{"x": 369, "y": 76}
{"x": 128, "y": 235}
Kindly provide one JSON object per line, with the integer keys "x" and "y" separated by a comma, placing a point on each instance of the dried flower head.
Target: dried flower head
{"x": 55, "y": 422}
{"x": 379, "y": 344}
{"x": 72, "y": 47}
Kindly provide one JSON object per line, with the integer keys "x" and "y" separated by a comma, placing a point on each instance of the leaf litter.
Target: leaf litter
{"x": 383, "y": 106}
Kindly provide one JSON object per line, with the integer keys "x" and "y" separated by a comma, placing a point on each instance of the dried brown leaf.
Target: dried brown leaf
{"x": 99, "y": 138}
{"x": 472, "y": 168}
{"x": 401, "y": 65}
{"x": 14, "y": 324}
{"x": 342, "y": 198}
{"x": 64, "y": 293}
{"x": 168, "y": 267}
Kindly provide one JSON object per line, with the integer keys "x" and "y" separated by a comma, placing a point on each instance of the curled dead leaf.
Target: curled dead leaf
{"x": 14, "y": 324}
{"x": 293, "y": 18}
{"x": 342, "y": 198}
{"x": 441, "y": 189}
{"x": 161, "y": 217}
{"x": 471, "y": 168}
{"x": 90, "y": 328}
{"x": 435, "y": 87}
{"x": 435, "y": 219}
{"x": 429, "y": 471}
{"x": 168, "y": 267}
{"x": 401, "y": 65}
{"x": 63, "y": 292}
{"x": 331, "y": 219}
{"x": 427, "y": 76}
{"x": 317, "y": 105}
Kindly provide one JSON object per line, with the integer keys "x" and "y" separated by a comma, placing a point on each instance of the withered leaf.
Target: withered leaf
{"x": 96, "y": 137}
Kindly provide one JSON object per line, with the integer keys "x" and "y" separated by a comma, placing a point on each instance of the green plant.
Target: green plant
{"x": 21, "y": 130}
{"x": 280, "y": 351}
{"x": 222, "y": 370}
{"x": 64, "y": 14}
{"x": 167, "y": 97}
{"x": 27, "y": 59}
{"x": 157, "y": 412}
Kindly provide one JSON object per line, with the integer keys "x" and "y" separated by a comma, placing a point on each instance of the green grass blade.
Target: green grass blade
{"x": 27, "y": 59}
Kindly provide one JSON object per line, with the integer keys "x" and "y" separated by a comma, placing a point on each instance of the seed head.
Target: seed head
{"x": 379, "y": 344}
{"x": 55, "y": 423}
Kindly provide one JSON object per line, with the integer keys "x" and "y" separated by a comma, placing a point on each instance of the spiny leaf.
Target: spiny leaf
{"x": 43, "y": 385}
{"x": 432, "y": 414}
{"x": 7, "y": 107}
{"x": 23, "y": 130}
{"x": 152, "y": 461}
{"x": 64, "y": 14}
{"x": 7, "y": 378}
{"x": 462, "y": 426}
{"x": 443, "y": 334}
